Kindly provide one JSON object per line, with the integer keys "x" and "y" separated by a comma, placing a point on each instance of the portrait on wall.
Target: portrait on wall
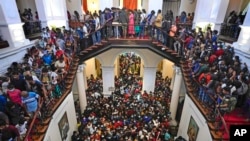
{"x": 64, "y": 126}
{"x": 193, "y": 129}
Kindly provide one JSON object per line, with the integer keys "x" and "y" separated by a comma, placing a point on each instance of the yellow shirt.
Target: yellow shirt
{"x": 158, "y": 20}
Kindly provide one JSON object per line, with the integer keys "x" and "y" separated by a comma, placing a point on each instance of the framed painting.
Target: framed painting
{"x": 193, "y": 129}
{"x": 63, "y": 125}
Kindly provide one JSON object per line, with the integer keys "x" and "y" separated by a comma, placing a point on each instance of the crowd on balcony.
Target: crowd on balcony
{"x": 126, "y": 23}
{"x": 38, "y": 76}
{"x": 31, "y": 22}
{"x": 222, "y": 77}
{"x": 231, "y": 26}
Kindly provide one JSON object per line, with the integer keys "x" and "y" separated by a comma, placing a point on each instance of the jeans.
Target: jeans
{"x": 93, "y": 38}
{"x": 164, "y": 35}
{"x": 142, "y": 29}
{"x": 98, "y": 35}
{"x": 158, "y": 32}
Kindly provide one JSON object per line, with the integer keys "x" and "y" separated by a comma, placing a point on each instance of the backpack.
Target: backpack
{"x": 232, "y": 103}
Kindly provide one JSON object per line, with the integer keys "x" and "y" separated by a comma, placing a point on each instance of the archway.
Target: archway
{"x": 128, "y": 69}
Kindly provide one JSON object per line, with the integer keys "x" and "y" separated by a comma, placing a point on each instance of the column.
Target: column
{"x": 175, "y": 94}
{"x": 173, "y": 77}
{"x": 81, "y": 87}
{"x": 52, "y": 13}
{"x": 108, "y": 80}
{"x": 210, "y": 12}
{"x": 243, "y": 42}
{"x": 11, "y": 27}
{"x": 149, "y": 79}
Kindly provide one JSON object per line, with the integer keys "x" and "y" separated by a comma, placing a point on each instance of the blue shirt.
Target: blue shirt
{"x": 31, "y": 101}
{"x": 3, "y": 101}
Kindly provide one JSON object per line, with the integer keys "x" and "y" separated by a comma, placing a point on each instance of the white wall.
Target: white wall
{"x": 153, "y": 5}
{"x": 189, "y": 109}
{"x": 187, "y": 6}
{"x": 90, "y": 67}
{"x": 53, "y": 133}
{"x": 105, "y": 4}
{"x": 74, "y": 5}
{"x": 22, "y": 4}
{"x": 233, "y": 5}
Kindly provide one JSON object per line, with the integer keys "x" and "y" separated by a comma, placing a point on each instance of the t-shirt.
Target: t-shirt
{"x": 97, "y": 23}
{"x": 31, "y": 101}
{"x": 15, "y": 96}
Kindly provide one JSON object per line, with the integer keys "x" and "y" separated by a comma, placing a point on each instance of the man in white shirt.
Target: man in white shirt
{"x": 85, "y": 30}
{"x": 97, "y": 27}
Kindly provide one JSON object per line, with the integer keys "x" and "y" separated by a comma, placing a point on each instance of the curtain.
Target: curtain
{"x": 173, "y": 5}
{"x": 84, "y": 5}
{"x": 130, "y": 4}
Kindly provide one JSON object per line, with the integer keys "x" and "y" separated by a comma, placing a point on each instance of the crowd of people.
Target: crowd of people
{"x": 38, "y": 76}
{"x": 222, "y": 78}
{"x": 129, "y": 113}
{"x": 126, "y": 23}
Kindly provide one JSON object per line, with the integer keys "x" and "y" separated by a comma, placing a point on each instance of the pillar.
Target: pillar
{"x": 11, "y": 26}
{"x": 243, "y": 42}
{"x": 173, "y": 77}
{"x": 175, "y": 94}
{"x": 117, "y": 66}
{"x": 52, "y": 13}
{"x": 81, "y": 87}
{"x": 149, "y": 76}
{"x": 210, "y": 12}
{"x": 108, "y": 80}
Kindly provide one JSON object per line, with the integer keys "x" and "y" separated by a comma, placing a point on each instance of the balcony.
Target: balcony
{"x": 85, "y": 49}
{"x": 229, "y": 32}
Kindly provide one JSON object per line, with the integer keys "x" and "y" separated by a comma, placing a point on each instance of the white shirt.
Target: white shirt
{"x": 97, "y": 23}
{"x": 85, "y": 30}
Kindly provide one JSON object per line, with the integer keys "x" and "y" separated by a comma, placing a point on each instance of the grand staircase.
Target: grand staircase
{"x": 40, "y": 124}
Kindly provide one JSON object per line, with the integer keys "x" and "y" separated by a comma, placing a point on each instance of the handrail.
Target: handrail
{"x": 216, "y": 108}
{"x": 42, "y": 102}
{"x": 33, "y": 119}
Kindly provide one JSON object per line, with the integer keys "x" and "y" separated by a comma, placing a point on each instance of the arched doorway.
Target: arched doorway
{"x": 128, "y": 69}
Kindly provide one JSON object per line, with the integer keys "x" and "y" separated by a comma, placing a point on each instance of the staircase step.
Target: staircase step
{"x": 216, "y": 135}
{"x": 104, "y": 41}
{"x": 35, "y": 137}
{"x": 45, "y": 121}
{"x": 41, "y": 129}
